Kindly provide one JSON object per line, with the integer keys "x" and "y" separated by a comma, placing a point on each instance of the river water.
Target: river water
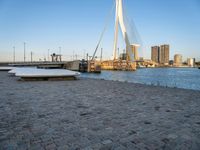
{"x": 187, "y": 78}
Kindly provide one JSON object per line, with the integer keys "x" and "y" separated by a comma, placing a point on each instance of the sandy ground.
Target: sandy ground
{"x": 96, "y": 114}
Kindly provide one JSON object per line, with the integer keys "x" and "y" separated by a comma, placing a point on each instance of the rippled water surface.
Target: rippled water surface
{"x": 187, "y": 78}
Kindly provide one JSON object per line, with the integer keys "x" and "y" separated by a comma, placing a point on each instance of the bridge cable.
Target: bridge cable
{"x": 104, "y": 30}
{"x": 132, "y": 31}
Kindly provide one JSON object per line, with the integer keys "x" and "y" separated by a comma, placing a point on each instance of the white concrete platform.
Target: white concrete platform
{"x": 32, "y": 73}
{"x": 17, "y": 69}
{"x": 5, "y": 68}
{"x": 44, "y": 74}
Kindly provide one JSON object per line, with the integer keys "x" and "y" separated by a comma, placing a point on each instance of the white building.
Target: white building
{"x": 191, "y": 62}
{"x": 178, "y": 60}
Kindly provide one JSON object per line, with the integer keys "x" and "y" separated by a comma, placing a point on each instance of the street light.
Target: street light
{"x": 31, "y": 56}
{"x": 48, "y": 54}
{"x": 24, "y": 51}
{"x": 13, "y": 53}
{"x": 60, "y": 50}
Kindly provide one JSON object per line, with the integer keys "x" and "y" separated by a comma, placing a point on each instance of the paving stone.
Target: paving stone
{"x": 51, "y": 146}
{"x": 36, "y": 147}
{"x": 96, "y": 114}
{"x": 105, "y": 142}
{"x": 63, "y": 147}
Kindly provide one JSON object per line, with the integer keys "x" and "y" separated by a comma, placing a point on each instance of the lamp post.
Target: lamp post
{"x": 60, "y": 50}
{"x": 24, "y": 52}
{"x": 13, "y": 53}
{"x": 101, "y": 55}
{"x": 31, "y": 56}
{"x": 48, "y": 54}
{"x": 73, "y": 55}
{"x": 84, "y": 54}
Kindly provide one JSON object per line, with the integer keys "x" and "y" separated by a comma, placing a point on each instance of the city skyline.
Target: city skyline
{"x": 76, "y": 26}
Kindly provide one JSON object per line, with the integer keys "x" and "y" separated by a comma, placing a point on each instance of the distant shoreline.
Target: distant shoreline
{"x": 7, "y": 64}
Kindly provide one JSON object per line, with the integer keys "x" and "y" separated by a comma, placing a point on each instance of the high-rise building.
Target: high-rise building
{"x": 160, "y": 54}
{"x": 155, "y": 53}
{"x": 177, "y": 60}
{"x": 164, "y": 54}
{"x": 134, "y": 48}
{"x": 191, "y": 62}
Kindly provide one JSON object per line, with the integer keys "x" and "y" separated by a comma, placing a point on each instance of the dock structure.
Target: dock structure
{"x": 121, "y": 65}
{"x": 124, "y": 65}
{"x": 94, "y": 66}
{"x": 76, "y": 65}
{"x": 125, "y": 62}
{"x": 70, "y": 65}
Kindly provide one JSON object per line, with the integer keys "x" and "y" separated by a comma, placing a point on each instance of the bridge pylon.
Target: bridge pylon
{"x": 131, "y": 49}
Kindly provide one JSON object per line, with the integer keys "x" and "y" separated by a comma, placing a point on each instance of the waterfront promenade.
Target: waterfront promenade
{"x": 96, "y": 114}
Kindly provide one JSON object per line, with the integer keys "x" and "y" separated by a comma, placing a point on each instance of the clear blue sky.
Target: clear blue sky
{"x": 76, "y": 25}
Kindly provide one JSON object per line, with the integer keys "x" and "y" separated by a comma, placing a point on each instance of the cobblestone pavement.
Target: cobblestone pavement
{"x": 95, "y": 114}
